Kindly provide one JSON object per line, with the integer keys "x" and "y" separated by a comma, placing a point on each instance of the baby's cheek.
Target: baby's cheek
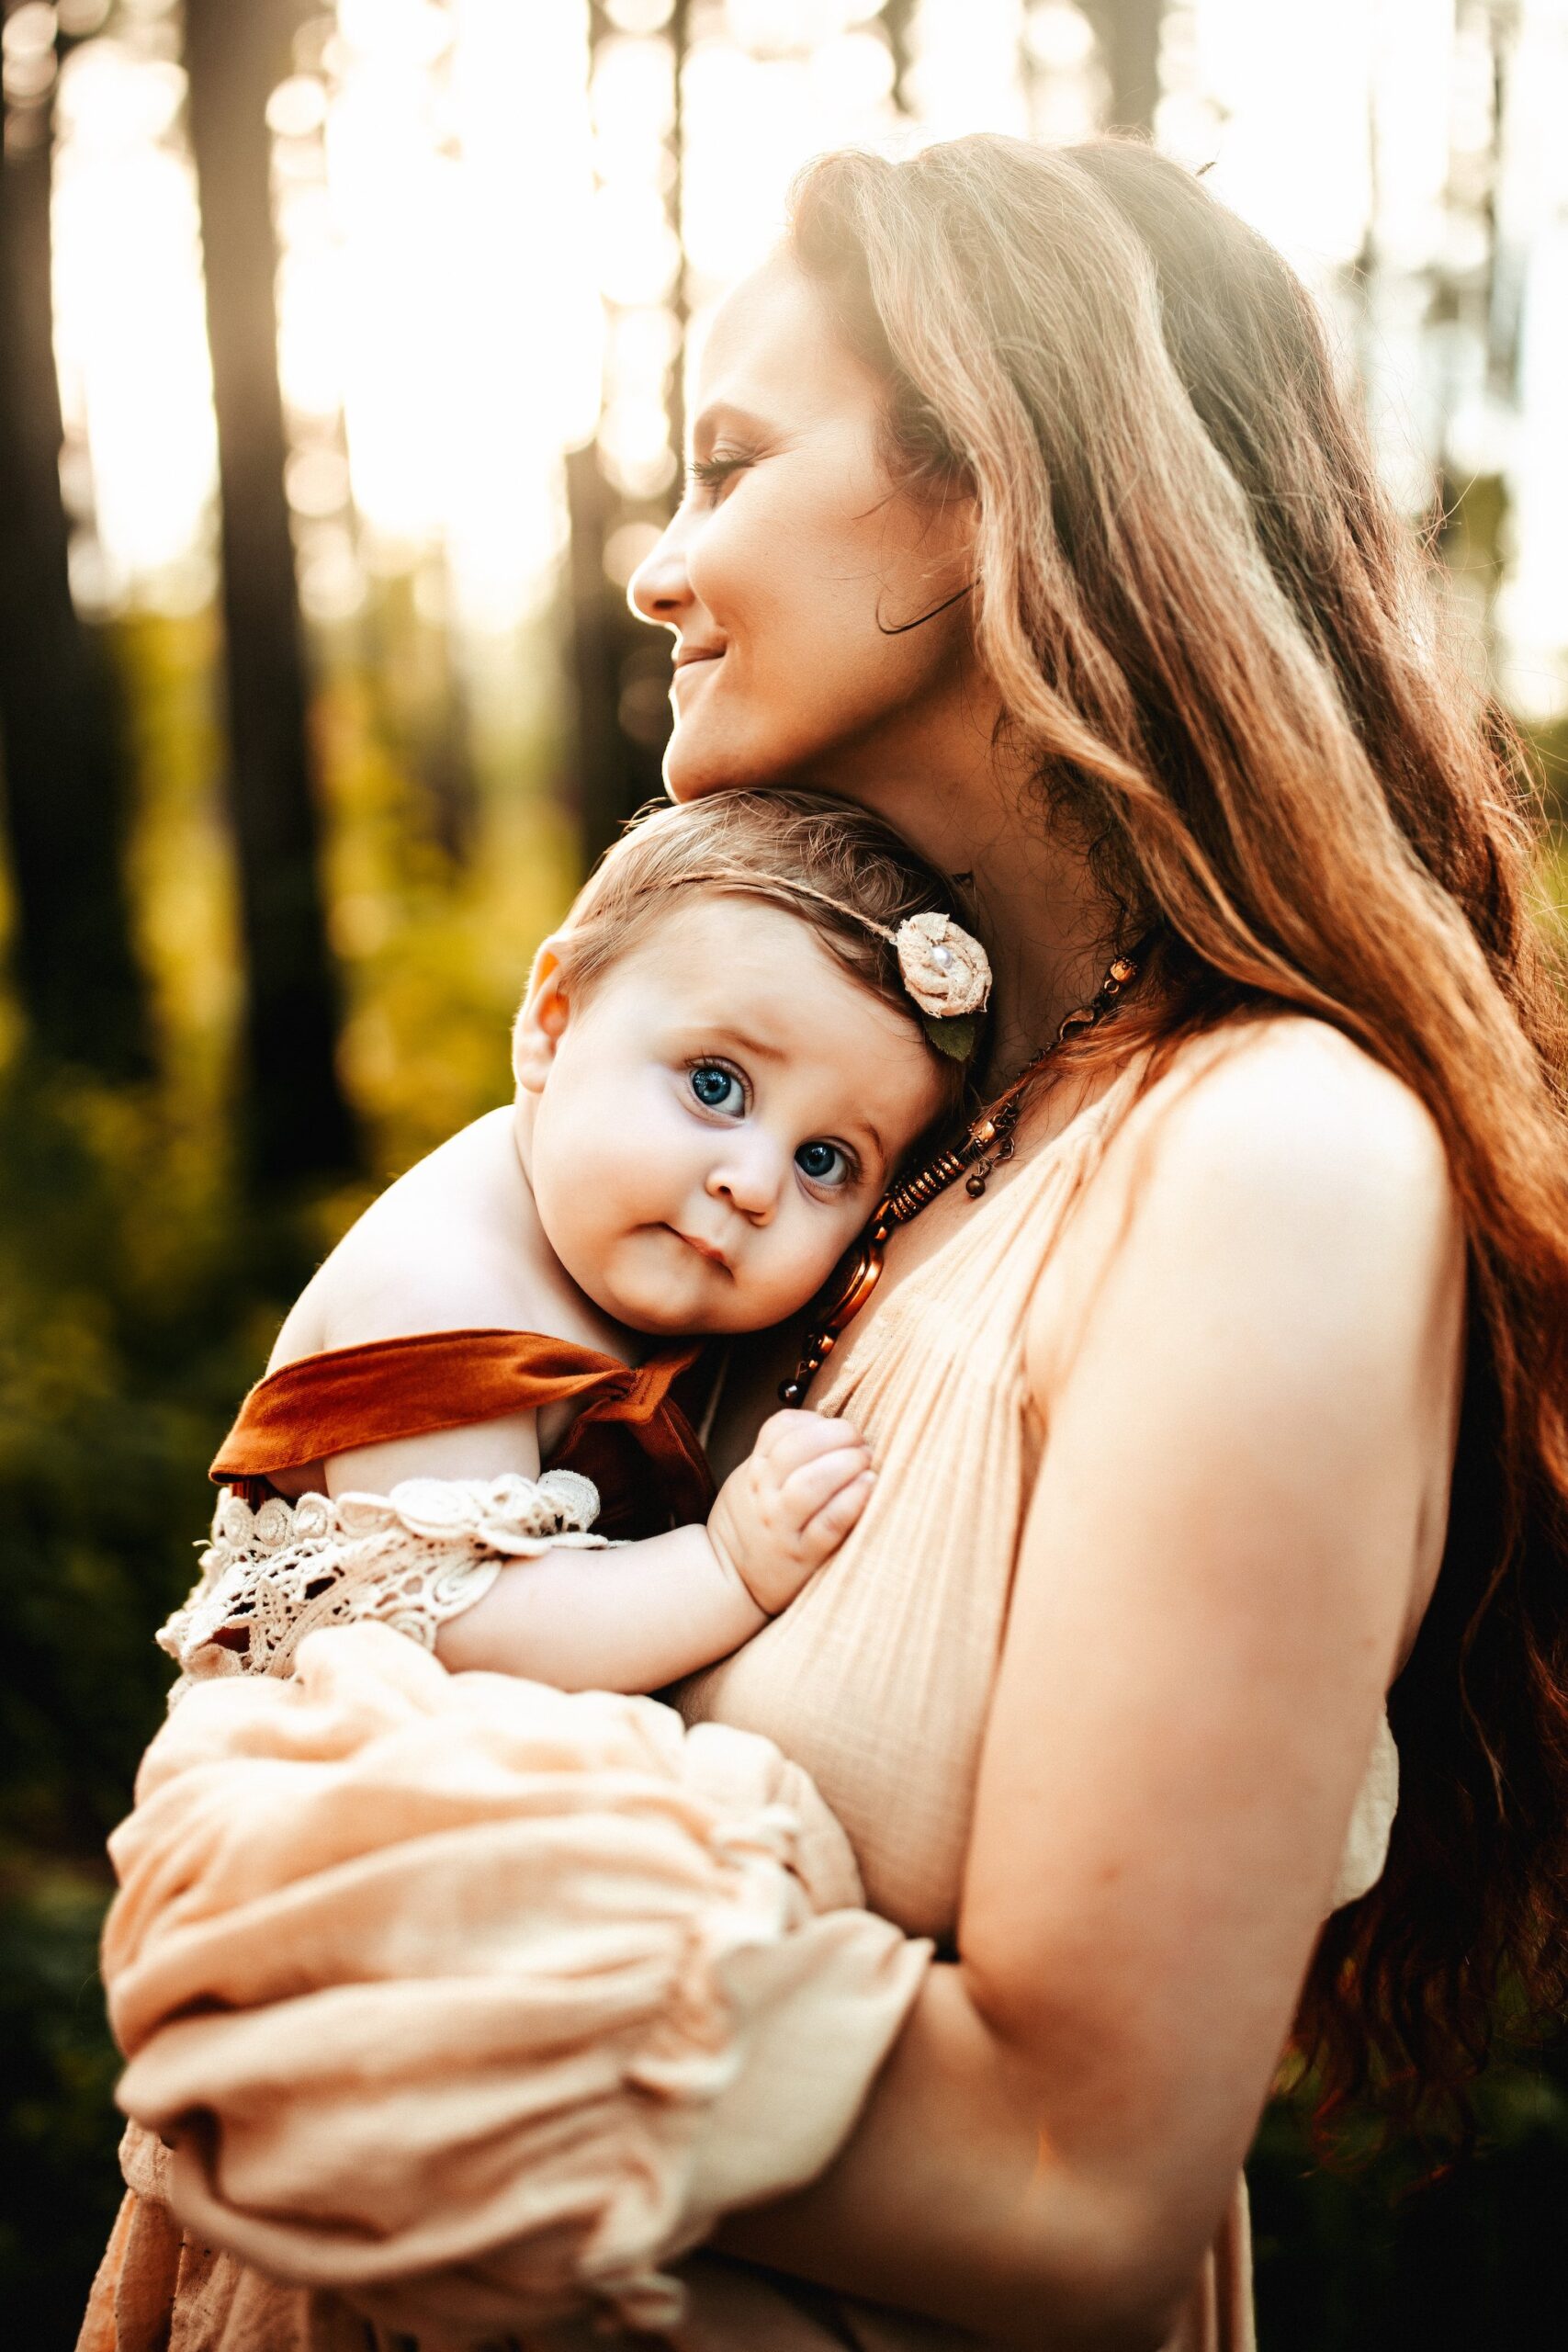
{"x": 796, "y": 1279}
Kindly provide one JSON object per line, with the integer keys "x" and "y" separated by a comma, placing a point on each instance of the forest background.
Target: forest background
{"x": 341, "y": 389}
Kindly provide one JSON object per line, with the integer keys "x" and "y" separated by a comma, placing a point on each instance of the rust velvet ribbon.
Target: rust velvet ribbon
{"x": 631, "y": 1436}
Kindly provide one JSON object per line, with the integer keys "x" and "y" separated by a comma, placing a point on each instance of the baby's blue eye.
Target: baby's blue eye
{"x": 716, "y": 1088}
{"x": 823, "y": 1162}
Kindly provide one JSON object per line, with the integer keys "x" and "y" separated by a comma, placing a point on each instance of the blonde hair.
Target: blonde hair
{"x": 1216, "y": 646}
{"x": 842, "y": 872}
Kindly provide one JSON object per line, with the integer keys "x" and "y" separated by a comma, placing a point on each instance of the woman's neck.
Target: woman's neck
{"x": 979, "y": 816}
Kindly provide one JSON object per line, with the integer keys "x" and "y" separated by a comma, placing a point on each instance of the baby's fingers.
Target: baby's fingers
{"x": 788, "y": 1439}
{"x": 823, "y": 1534}
{"x": 803, "y": 1493}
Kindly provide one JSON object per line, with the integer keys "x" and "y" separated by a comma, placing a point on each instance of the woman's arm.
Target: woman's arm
{"x": 1249, "y": 1398}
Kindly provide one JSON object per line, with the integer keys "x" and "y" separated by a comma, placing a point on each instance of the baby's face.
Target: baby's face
{"x": 708, "y": 1130}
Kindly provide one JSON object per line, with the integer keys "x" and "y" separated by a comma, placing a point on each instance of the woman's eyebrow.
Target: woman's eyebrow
{"x": 705, "y": 431}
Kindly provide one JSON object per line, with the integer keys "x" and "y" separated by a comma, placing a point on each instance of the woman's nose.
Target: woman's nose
{"x": 658, "y": 590}
{"x": 748, "y": 1178}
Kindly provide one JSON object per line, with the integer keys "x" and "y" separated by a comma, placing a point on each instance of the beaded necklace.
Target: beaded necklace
{"x": 992, "y": 1139}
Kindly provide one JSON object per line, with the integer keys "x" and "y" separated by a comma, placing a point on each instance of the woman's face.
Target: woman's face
{"x": 794, "y": 565}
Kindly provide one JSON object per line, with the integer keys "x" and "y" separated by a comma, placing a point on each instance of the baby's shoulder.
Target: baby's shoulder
{"x": 454, "y": 1244}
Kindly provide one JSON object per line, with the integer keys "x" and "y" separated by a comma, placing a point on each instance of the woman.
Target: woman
{"x": 1227, "y": 1396}
{"x": 1024, "y": 511}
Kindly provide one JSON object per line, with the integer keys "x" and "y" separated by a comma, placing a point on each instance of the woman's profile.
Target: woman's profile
{"x": 1211, "y": 1586}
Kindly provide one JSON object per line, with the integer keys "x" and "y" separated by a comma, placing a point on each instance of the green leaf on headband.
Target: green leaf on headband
{"x": 952, "y": 1033}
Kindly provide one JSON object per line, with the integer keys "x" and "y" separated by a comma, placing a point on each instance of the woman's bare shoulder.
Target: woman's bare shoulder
{"x": 450, "y": 1245}
{"x": 1291, "y": 1100}
{"x": 1277, "y": 1153}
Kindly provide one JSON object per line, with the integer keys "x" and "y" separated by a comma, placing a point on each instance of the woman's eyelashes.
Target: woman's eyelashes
{"x": 710, "y": 474}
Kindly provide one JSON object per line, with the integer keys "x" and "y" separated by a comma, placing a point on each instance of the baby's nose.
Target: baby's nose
{"x": 747, "y": 1177}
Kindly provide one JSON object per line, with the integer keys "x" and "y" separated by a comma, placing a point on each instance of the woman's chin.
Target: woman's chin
{"x": 696, "y": 767}
{"x": 700, "y": 761}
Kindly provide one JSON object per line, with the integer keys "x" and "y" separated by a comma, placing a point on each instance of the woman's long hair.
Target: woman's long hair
{"x": 1216, "y": 639}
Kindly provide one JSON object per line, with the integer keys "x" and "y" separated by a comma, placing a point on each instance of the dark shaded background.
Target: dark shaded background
{"x": 269, "y": 892}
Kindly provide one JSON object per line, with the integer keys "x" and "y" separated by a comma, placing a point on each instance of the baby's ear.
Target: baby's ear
{"x": 540, "y": 1022}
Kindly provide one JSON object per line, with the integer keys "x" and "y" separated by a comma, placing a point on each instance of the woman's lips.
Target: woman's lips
{"x": 690, "y": 657}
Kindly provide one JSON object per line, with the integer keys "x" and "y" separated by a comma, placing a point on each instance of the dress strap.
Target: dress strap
{"x": 347, "y": 1397}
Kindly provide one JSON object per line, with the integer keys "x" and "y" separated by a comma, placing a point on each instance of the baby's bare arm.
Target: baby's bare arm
{"x": 630, "y": 1619}
{"x": 644, "y": 1615}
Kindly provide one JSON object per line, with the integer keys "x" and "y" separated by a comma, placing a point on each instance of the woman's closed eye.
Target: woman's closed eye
{"x": 827, "y": 1165}
{"x": 710, "y": 474}
{"x": 718, "y": 1089}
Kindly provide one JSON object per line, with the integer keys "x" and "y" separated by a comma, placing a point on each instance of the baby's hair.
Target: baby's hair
{"x": 840, "y": 870}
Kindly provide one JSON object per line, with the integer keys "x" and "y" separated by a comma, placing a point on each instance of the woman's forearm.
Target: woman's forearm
{"x": 950, "y": 2199}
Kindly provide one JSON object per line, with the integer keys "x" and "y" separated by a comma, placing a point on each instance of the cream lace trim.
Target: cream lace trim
{"x": 411, "y": 1559}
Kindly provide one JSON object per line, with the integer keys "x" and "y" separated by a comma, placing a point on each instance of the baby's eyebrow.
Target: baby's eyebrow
{"x": 744, "y": 1041}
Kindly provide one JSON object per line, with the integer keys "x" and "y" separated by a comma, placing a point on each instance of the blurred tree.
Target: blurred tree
{"x": 298, "y": 1117}
{"x": 897, "y": 23}
{"x": 1128, "y": 34}
{"x": 620, "y": 673}
{"x": 65, "y": 782}
{"x": 615, "y": 769}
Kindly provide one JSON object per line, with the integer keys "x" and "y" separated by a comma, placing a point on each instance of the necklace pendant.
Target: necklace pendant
{"x": 990, "y": 1141}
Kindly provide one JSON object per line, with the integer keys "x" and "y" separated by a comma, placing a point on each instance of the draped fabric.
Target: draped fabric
{"x": 471, "y": 2000}
{"x": 631, "y": 1434}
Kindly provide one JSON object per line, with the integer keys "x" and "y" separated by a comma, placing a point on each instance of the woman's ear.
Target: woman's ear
{"x": 542, "y": 1020}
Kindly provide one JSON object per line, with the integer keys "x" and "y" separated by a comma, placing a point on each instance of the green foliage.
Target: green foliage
{"x": 1382, "y": 2253}
{"x": 135, "y": 1306}
{"x": 140, "y": 1293}
{"x": 60, "y": 2128}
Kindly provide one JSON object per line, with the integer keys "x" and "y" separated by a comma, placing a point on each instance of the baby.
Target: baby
{"x": 756, "y": 1009}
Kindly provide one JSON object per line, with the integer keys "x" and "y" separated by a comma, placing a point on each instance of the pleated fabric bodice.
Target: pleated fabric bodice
{"x": 877, "y": 1680}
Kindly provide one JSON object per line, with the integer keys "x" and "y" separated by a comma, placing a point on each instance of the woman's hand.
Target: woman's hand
{"x": 1245, "y": 1360}
{"x": 790, "y": 1504}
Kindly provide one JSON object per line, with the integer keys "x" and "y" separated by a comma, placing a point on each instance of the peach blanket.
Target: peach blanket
{"x": 476, "y": 2002}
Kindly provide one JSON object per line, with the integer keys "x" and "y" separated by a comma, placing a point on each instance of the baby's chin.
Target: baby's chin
{"x": 699, "y": 1318}
{"x": 654, "y": 1284}
{"x": 675, "y": 1312}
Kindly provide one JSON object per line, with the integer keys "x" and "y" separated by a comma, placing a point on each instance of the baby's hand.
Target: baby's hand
{"x": 790, "y": 1504}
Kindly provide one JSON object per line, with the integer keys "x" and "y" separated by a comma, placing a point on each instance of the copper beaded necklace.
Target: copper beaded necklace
{"x": 990, "y": 1141}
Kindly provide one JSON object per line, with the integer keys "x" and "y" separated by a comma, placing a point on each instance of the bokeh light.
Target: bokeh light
{"x": 484, "y": 256}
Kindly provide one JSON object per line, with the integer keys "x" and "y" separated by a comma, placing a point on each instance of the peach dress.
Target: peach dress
{"x": 877, "y": 1681}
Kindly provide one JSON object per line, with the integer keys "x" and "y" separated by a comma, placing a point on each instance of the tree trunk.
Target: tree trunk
{"x": 897, "y": 23}
{"x": 64, "y": 792}
{"x": 617, "y": 670}
{"x": 300, "y": 1124}
{"x": 620, "y": 671}
{"x": 1128, "y": 32}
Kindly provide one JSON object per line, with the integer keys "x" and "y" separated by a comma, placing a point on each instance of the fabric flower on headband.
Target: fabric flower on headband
{"x": 945, "y": 970}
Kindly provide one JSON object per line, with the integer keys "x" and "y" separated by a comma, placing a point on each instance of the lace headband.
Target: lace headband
{"x": 943, "y": 968}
